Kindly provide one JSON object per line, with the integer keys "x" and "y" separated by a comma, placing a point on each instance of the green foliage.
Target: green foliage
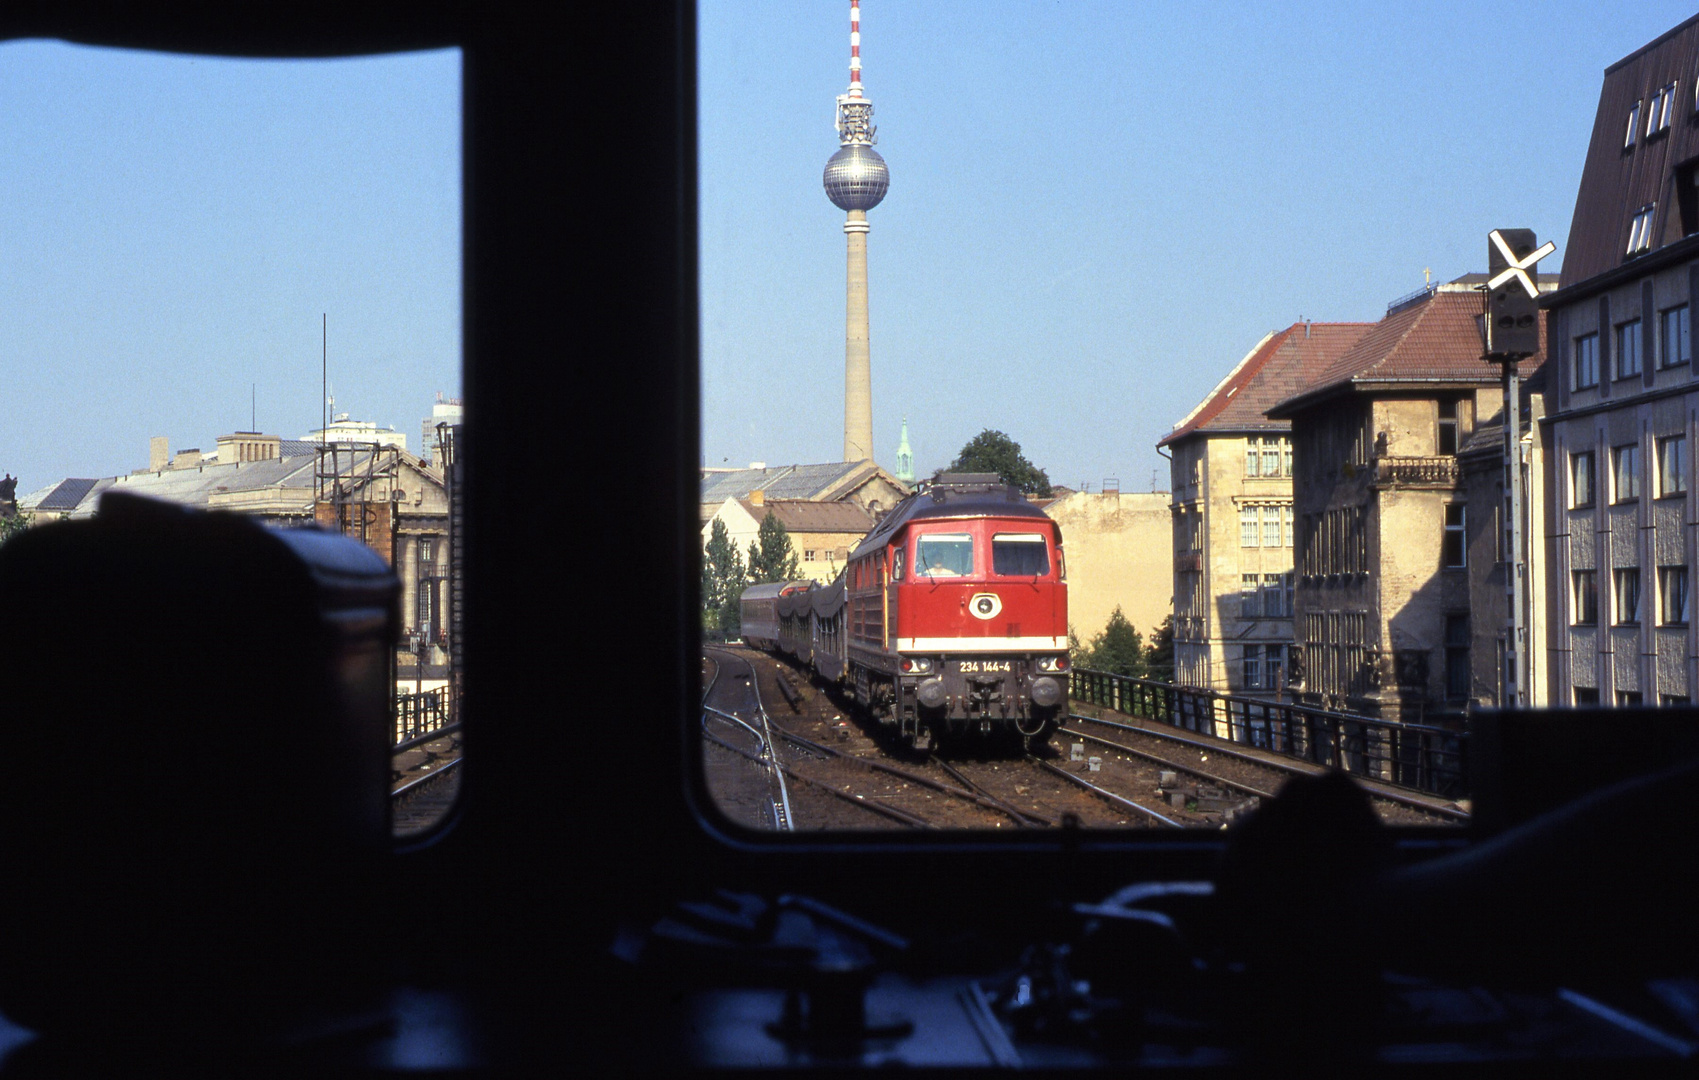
{"x": 1118, "y": 649}
{"x": 994, "y": 452}
{"x": 770, "y": 555}
{"x": 1160, "y": 657}
{"x": 13, "y": 526}
{"x": 722, "y": 581}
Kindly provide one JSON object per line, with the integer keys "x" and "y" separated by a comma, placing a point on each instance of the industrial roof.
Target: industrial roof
{"x": 806, "y": 515}
{"x": 1282, "y": 363}
{"x": 1436, "y": 338}
{"x": 782, "y": 482}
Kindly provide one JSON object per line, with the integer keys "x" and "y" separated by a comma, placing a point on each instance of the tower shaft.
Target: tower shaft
{"x": 858, "y": 368}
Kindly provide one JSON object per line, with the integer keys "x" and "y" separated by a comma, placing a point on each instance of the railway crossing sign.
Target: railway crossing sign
{"x": 1513, "y": 310}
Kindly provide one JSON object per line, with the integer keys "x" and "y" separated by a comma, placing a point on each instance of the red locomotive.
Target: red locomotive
{"x": 950, "y": 619}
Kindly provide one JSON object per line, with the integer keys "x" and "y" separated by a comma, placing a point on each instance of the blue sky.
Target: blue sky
{"x": 172, "y": 229}
{"x": 1097, "y": 208}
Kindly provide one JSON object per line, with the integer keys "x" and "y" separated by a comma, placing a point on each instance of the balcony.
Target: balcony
{"x": 1438, "y": 472}
{"x": 1188, "y": 560}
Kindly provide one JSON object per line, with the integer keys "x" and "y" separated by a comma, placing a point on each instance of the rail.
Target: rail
{"x": 1415, "y": 756}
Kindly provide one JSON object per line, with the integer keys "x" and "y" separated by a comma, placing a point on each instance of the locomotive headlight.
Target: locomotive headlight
{"x": 1053, "y": 663}
{"x": 918, "y": 664}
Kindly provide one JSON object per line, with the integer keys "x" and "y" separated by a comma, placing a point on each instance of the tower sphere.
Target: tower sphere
{"x": 856, "y": 177}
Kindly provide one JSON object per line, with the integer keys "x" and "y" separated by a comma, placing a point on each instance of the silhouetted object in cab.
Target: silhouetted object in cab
{"x": 195, "y": 812}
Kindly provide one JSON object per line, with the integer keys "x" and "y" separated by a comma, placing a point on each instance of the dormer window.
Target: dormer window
{"x": 1633, "y": 125}
{"x": 1640, "y": 233}
{"x": 1658, "y": 116}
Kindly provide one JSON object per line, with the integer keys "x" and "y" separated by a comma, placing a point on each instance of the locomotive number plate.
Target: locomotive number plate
{"x": 985, "y": 665}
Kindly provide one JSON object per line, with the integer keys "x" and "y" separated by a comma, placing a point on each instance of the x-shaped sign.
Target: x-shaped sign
{"x": 1518, "y": 268}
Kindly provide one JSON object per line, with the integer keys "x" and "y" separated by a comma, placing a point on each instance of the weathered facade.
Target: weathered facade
{"x": 1232, "y": 516}
{"x": 821, "y": 533}
{"x": 859, "y": 482}
{"x": 1382, "y": 607}
{"x": 1620, "y": 525}
{"x": 1117, "y": 547}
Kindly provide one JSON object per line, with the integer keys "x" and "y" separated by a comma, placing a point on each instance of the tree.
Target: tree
{"x": 13, "y": 526}
{"x": 994, "y": 452}
{"x": 1118, "y": 649}
{"x": 770, "y": 555}
{"x": 722, "y": 580}
{"x": 1160, "y": 658}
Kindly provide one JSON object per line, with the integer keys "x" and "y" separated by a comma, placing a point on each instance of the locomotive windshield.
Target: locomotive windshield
{"x": 944, "y": 555}
{"x": 1019, "y": 555}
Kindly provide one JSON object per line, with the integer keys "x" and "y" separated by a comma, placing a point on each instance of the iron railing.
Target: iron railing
{"x": 421, "y": 714}
{"x": 1417, "y": 756}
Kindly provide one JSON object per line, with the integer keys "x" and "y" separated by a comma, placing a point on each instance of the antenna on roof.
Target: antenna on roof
{"x": 324, "y": 370}
{"x": 253, "y": 395}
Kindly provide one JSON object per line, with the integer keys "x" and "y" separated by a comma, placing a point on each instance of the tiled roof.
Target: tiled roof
{"x": 1281, "y": 364}
{"x": 806, "y": 515}
{"x": 1433, "y": 340}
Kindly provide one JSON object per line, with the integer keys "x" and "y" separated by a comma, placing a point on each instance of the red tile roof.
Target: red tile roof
{"x": 808, "y": 516}
{"x": 1433, "y": 340}
{"x": 1283, "y": 363}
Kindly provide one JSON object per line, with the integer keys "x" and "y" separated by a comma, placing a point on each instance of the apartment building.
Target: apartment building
{"x": 1382, "y": 607}
{"x": 1621, "y": 402}
{"x": 1232, "y": 515}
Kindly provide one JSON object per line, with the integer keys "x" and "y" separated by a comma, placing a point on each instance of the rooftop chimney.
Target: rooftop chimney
{"x": 158, "y": 453}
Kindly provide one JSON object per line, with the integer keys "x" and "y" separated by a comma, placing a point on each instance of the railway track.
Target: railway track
{"x": 749, "y": 738}
{"x": 1181, "y": 752}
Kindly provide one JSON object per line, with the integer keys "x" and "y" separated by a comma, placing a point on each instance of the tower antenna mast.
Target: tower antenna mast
{"x": 856, "y": 179}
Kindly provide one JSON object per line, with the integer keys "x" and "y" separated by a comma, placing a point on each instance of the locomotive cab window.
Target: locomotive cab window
{"x": 1020, "y": 555}
{"x": 944, "y": 555}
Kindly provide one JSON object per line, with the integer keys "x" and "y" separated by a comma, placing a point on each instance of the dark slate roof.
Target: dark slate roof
{"x": 67, "y": 495}
{"x": 1617, "y": 181}
{"x": 1433, "y": 340}
{"x": 296, "y": 448}
{"x": 781, "y": 482}
{"x": 1283, "y": 363}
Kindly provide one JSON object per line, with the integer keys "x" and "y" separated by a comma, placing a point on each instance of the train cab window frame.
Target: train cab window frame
{"x": 1019, "y": 548}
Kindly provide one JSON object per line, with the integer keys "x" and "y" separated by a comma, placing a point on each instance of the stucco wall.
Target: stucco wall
{"x": 1120, "y": 552}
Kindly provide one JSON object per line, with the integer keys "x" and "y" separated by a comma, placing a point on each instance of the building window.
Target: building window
{"x": 1250, "y": 606}
{"x": 1628, "y": 596}
{"x": 1453, "y": 551}
{"x": 1247, "y": 526}
{"x": 1586, "y": 597}
{"x": 1271, "y": 457}
{"x": 1673, "y": 342}
{"x": 1586, "y": 361}
{"x": 1628, "y": 698}
{"x": 1286, "y": 525}
{"x": 1640, "y": 233}
{"x": 1581, "y": 479}
{"x": 1273, "y": 597}
{"x": 1672, "y": 466}
{"x": 1253, "y": 458}
{"x": 1252, "y": 672}
{"x": 1672, "y": 595}
{"x": 1457, "y": 657}
{"x": 1628, "y": 349}
{"x": 1447, "y": 441}
{"x": 1674, "y": 700}
{"x": 1658, "y": 116}
{"x": 1626, "y": 473}
{"x": 1586, "y": 695}
{"x": 1285, "y": 457}
{"x": 1633, "y": 126}
{"x": 1271, "y": 526}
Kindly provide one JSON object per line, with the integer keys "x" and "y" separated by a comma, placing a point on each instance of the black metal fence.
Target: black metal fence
{"x": 421, "y": 714}
{"x": 1417, "y": 756}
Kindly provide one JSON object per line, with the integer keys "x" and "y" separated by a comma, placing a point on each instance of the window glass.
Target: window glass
{"x": 1253, "y": 458}
{"x": 1270, "y": 526}
{"x": 1586, "y": 361}
{"x": 1628, "y": 596}
{"x": 1586, "y": 597}
{"x": 1581, "y": 478}
{"x": 1627, "y": 472}
{"x": 1453, "y": 549}
{"x": 1672, "y": 466}
{"x": 944, "y": 555}
{"x": 1628, "y": 349}
{"x": 1020, "y": 554}
{"x": 1633, "y": 125}
{"x": 1248, "y": 526}
{"x": 1673, "y": 341}
{"x": 1672, "y": 591}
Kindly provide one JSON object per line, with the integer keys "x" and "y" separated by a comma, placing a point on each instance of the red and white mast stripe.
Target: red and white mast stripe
{"x": 855, "y": 48}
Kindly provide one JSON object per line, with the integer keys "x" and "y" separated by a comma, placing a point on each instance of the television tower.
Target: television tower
{"x": 856, "y": 180}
